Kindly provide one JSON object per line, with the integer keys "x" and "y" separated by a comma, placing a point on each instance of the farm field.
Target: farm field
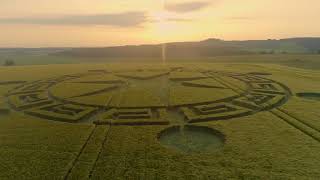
{"x": 159, "y": 121}
{"x": 305, "y": 61}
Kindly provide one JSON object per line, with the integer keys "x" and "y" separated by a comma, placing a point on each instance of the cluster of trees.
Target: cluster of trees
{"x": 9, "y": 62}
{"x": 267, "y": 52}
{"x": 283, "y": 52}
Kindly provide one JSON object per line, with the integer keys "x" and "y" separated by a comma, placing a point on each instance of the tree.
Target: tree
{"x": 263, "y": 52}
{"x": 9, "y": 62}
{"x": 318, "y": 52}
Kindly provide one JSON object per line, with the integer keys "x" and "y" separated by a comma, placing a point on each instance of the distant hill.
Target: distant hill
{"x": 206, "y": 48}
{"x": 7, "y": 52}
{"x": 177, "y": 49}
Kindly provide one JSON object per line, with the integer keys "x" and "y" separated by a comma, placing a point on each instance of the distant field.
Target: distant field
{"x": 293, "y": 60}
{"x": 153, "y": 121}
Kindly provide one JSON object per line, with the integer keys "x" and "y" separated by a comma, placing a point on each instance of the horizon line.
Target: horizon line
{"x": 155, "y": 44}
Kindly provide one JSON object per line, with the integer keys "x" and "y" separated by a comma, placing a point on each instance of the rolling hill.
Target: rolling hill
{"x": 206, "y": 48}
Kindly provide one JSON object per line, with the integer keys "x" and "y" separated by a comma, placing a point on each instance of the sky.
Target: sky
{"x": 83, "y": 23}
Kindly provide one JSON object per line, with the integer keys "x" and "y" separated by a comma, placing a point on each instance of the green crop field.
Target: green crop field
{"x": 185, "y": 120}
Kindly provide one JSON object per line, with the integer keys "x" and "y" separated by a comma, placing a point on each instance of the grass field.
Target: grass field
{"x": 306, "y": 61}
{"x": 106, "y": 121}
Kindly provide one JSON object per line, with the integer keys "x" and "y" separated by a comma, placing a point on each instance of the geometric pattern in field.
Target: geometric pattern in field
{"x": 28, "y": 100}
{"x": 147, "y": 96}
{"x": 62, "y": 112}
{"x": 137, "y": 116}
{"x": 214, "y": 111}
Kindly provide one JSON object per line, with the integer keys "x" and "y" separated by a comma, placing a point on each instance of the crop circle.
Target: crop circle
{"x": 191, "y": 139}
{"x": 148, "y": 96}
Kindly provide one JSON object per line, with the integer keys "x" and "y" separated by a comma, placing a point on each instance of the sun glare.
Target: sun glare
{"x": 162, "y": 24}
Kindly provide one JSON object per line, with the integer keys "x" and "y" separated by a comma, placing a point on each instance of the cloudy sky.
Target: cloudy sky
{"x": 47, "y": 23}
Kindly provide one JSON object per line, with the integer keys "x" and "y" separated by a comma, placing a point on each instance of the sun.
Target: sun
{"x": 162, "y": 25}
{"x": 162, "y": 18}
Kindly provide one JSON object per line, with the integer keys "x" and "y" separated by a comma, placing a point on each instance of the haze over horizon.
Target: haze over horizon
{"x": 75, "y": 23}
